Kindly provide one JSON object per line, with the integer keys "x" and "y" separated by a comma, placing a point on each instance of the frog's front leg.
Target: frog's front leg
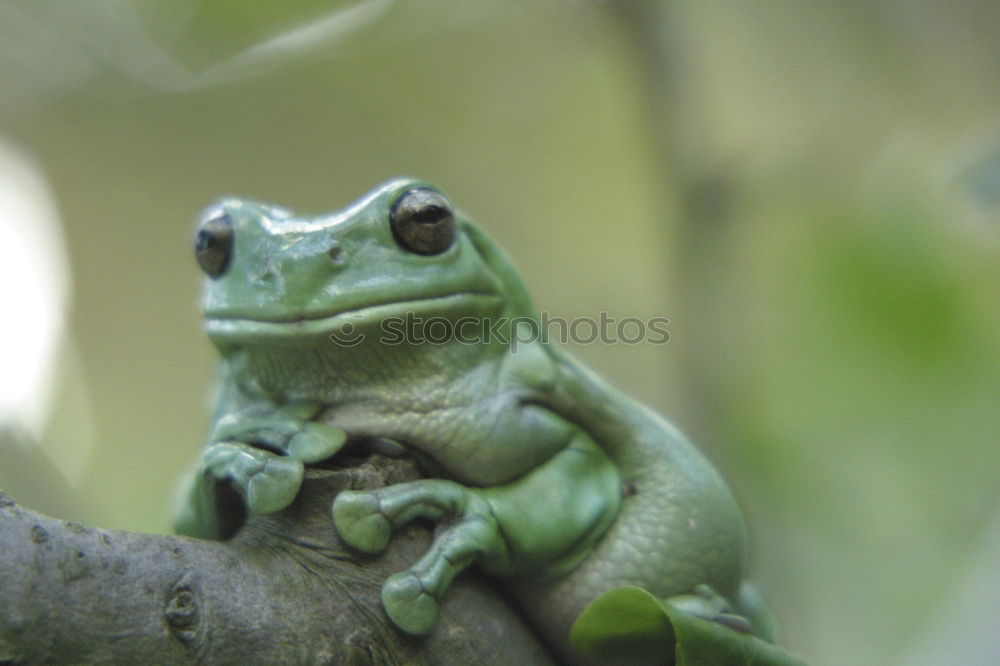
{"x": 286, "y": 430}
{"x": 262, "y": 451}
{"x": 542, "y": 522}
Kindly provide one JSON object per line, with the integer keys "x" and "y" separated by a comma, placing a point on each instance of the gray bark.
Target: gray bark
{"x": 283, "y": 590}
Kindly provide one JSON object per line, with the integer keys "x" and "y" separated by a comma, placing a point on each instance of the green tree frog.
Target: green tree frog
{"x": 539, "y": 472}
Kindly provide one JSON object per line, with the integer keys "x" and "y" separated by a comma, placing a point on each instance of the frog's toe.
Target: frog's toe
{"x": 225, "y": 460}
{"x": 408, "y": 604}
{"x": 274, "y": 485}
{"x": 708, "y": 604}
{"x": 359, "y": 521}
{"x": 316, "y": 441}
{"x": 734, "y": 622}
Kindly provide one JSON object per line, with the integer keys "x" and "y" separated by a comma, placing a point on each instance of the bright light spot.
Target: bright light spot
{"x": 33, "y": 293}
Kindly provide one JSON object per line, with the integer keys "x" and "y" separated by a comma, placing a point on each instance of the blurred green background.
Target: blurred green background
{"x": 809, "y": 191}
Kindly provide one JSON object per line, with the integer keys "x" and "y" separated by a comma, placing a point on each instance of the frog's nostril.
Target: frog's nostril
{"x": 265, "y": 277}
{"x": 336, "y": 254}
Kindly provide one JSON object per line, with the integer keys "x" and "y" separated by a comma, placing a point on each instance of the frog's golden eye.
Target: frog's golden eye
{"x": 213, "y": 244}
{"x": 423, "y": 221}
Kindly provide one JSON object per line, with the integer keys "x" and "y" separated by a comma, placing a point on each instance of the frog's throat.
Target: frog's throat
{"x": 352, "y": 321}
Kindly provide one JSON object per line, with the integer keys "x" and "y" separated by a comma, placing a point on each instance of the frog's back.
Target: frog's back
{"x": 679, "y": 525}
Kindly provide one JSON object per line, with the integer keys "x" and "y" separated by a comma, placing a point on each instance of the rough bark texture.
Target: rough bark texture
{"x": 283, "y": 590}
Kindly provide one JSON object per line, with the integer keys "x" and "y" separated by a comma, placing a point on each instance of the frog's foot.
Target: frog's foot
{"x": 287, "y": 430}
{"x": 365, "y": 520}
{"x": 267, "y": 481}
{"x": 360, "y": 521}
{"x": 262, "y": 451}
{"x": 408, "y": 604}
{"x": 411, "y": 598}
{"x": 708, "y": 604}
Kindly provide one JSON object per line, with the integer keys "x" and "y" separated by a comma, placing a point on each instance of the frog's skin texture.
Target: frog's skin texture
{"x": 543, "y": 474}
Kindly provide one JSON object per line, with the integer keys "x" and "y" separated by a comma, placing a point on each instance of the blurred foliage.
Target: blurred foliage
{"x": 843, "y": 309}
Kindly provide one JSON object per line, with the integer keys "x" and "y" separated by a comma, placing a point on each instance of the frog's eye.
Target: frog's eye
{"x": 213, "y": 244}
{"x": 422, "y": 221}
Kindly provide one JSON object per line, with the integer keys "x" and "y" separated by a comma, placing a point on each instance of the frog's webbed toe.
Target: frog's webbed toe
{"x": 408, "y": 604}
{"x": 275, "y": 485}
{"x": 316, "y": 441}
{"x": 360, "y": 521}
{"x": 267, "y": 481}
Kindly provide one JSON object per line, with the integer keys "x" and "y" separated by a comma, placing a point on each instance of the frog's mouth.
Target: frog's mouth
{"x": 348, "y": 323}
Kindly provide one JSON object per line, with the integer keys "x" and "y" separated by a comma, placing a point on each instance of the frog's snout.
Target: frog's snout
{"x": 300, "y": 262}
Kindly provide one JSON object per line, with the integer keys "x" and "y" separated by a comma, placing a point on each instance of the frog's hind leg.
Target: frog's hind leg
{"x": 365, "y": 520}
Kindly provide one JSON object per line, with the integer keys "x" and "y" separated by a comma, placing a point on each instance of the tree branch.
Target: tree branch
{"x": 285, "y": 589}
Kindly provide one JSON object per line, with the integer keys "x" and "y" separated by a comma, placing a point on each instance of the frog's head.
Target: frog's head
{"x": 400, "y": 249}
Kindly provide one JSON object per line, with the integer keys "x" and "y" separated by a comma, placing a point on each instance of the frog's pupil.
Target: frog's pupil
{"x": 429, "y": 215}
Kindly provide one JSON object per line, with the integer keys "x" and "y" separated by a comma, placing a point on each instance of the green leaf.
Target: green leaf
{"x": 630, "y": 626}
{"x": 625, "y": 625}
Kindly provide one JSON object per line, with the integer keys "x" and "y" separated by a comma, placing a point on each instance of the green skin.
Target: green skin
{"x": 543, "y": 473}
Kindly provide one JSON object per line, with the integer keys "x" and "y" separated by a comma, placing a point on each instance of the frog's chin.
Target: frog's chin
{"x": 352, "y": 326}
